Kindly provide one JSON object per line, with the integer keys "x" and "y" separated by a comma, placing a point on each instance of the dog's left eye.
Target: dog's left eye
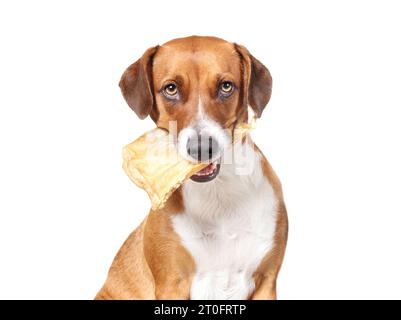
{"x": 226, "y": 88}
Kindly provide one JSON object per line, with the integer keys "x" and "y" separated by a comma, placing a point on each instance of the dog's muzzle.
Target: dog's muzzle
{"x": 203, "y": 145}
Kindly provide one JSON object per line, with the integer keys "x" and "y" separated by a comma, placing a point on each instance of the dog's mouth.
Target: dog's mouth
{"x": 208, "y": 173}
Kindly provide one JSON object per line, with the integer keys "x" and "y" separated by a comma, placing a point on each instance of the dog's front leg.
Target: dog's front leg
{"x": 170, "y": 263}
{"x": 266, "y": 275}
{"x": 266, "y": 290}
{"x": 172, "y": 289}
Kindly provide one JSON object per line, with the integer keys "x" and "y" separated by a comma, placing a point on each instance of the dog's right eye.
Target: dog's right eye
{"x": 170, "y": 90}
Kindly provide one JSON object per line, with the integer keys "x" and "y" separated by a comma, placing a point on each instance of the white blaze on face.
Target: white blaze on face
{"x": 200, "y": 107}
{"x": 206, "y": 128}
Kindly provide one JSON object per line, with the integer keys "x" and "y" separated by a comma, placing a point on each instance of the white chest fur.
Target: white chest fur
{"x": 228, "y": 227}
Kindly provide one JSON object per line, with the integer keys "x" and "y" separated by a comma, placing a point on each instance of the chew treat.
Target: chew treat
{"x": 152, "y": 162}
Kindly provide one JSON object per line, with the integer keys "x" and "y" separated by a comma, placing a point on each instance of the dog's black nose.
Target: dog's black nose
{"x": 202, "y": 148}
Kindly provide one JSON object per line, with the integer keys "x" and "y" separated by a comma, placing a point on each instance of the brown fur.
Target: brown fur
{"x": 152, "y": 263}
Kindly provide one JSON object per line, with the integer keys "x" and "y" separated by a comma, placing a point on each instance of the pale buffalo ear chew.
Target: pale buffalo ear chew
{"x": 153, "y": 163}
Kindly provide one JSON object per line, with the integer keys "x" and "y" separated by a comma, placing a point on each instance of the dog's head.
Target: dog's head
{"x": 202, "y": 84}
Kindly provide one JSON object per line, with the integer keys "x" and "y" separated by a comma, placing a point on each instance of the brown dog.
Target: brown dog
{"x": 222, "y": 234}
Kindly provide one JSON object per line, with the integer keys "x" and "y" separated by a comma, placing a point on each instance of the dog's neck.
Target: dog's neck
{"x": 228, "y": 226}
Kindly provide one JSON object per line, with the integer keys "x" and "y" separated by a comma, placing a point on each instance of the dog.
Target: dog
{"x": 223, "y": 233}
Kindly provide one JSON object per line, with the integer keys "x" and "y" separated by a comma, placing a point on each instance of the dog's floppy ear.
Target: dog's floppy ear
{"x": 136, "y": 85}
{"x": 257, "y": 81}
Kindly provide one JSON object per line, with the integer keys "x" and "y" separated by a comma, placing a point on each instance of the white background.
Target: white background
{"x": 332, "y": 132}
